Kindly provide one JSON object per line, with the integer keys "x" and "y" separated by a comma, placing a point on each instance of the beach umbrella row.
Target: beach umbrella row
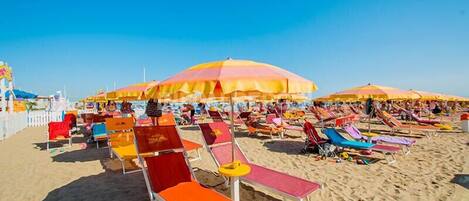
{"x": 378, "y": 92}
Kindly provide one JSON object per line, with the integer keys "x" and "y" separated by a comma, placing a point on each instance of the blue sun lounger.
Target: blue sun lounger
{"x": 340, "y": 141}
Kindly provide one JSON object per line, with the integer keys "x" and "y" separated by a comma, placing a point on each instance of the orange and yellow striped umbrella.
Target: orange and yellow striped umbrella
{"x": 132, "y": 92}
{"x": 100, "y": 97}
{"x": 374, "y": 92}
{"x": 425, "y": 95}
{"x": 232, "y": 78}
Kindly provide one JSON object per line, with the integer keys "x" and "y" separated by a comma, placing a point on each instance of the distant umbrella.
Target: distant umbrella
{"x": 20, "y": 94}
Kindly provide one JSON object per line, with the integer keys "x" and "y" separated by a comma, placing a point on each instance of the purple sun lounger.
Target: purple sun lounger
{"x": 217, "y": 138}
{"x": 405, "y": 143}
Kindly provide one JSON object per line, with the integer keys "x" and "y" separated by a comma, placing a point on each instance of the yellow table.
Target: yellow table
{"x": 234, "y": 170}
{"x": 369, "y": 135}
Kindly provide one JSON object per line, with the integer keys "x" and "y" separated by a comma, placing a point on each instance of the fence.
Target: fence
{"x": 12, "y": 123}
{"x": 42, "y": 118}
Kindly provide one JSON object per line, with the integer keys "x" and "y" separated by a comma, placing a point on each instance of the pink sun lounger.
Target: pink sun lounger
{"x": 218, "y": 141}
{"x": 404, "y": 142}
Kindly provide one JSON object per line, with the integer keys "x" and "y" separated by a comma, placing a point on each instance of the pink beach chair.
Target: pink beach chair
{"x": 217, "y": 138}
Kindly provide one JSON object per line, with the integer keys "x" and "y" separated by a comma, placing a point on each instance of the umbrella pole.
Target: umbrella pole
{"x": 233, "y": 145}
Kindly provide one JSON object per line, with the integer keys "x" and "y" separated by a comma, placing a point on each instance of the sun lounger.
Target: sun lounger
{"x": 216, "y": 116}
{"x": 58, "y": 131}
{"x": 121, "y": 140}
{"x": 337, "y": 139}
{"x": 217, "y": 138}
{"x": 396, "y": 125}
{"x": 405, "y": 143}
{"x": 168, "y": 175}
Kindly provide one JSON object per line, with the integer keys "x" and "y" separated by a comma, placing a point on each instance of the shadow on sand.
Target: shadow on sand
{"x": 113, "y": 185}
{"x": 288, "y": 147}
{"x": 462, "y": 180}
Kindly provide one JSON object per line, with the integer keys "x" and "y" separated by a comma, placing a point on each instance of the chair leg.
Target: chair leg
{"x": 123, "y": 166}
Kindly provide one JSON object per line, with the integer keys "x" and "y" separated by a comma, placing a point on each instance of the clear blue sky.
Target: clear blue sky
{"x": 87, "y": 45}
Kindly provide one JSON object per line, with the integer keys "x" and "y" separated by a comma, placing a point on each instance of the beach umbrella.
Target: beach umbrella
{"x": 132, "y": 92}
{"x": 375, "y": 92}
{"x": 100, "y": 97}
{"x": 424, "y": 95}
{"x": 19, "y": 94}
{"x": 231, "y": 78}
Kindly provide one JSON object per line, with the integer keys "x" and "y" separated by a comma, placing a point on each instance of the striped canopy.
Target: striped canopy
{"x": 132, "y": 92}
{"x": 100, "y": 97}
{"x": 231, "y": 78}
{"x": 374, "y": 92}
{"x": 424, "y": 95}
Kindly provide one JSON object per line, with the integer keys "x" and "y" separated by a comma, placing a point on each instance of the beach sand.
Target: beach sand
{"x": 430, "y": 172}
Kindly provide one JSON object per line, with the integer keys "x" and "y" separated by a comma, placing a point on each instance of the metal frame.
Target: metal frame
{"x": 284, "y": 195}
{"x": 69, "y": 141}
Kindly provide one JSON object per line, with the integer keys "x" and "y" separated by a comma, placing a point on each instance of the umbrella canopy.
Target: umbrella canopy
{"x": 132, "y": 92}
{"x": 375, "y": 92}
{"x": 20, "y": 94}
{"x": 424, "y": 95}
{"x": 100, "y": 97}
{"x": 231, "y": 78}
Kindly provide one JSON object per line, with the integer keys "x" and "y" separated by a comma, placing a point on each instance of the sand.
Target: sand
{"x": 430, "y": 172}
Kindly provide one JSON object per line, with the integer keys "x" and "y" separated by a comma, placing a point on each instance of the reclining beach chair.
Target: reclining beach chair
{"x": 59, "y": 131}
{"x": 217, "y": 138}
{"x": 168, "y": 175}
{"x": 338, "y": 140}
{"x": 168, "y": 119}
{"x": 405, "y": 143}
{"x": 313, "y": 140}
{"x": 271, "y": 130}
{"x": 121, "y": 140}
{"x": 396, "y": 125}
{"x": 322, "y": 115}
{"x": 216, "y": 116}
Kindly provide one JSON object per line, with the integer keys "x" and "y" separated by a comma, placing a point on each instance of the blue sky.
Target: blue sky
{"x": 89, "y": 45}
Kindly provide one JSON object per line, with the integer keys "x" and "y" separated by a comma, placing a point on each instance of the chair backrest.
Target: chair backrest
{"x": 152, "y": 139}
{"x": 215, "y": 115}
{"x": 217, "y": 136}
{"x": 222, "y": 154}
{"x": 167, "y": 166}
{"x": 353, "y": 131}
{"x": 71, "y": 119}
{"x": 99, "y": 129}
{"x": 391, "y": 118}
{"x": 58, "y": 129}
{"x": 311, "y": 132}
{"x": 215, "y": 133}
{"x": 244, "y": 115}
{"x": 167, "y": 119}
{"x": 334, "y": 136}
{"x": 119, "y": 124}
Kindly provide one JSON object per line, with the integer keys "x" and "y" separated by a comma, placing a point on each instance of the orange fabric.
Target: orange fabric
{"x": 190, "y": 191}
{"x": 166, "y": 120}
{"x": 189, "y": 145}
{"x": 167, "y": 170}
{"x": 156, "y": 138}
{"x": 119, "y": 124}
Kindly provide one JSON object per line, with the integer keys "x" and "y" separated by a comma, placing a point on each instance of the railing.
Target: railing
{"x": 42, "y": 118}
{"x": 12, "y": 123}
